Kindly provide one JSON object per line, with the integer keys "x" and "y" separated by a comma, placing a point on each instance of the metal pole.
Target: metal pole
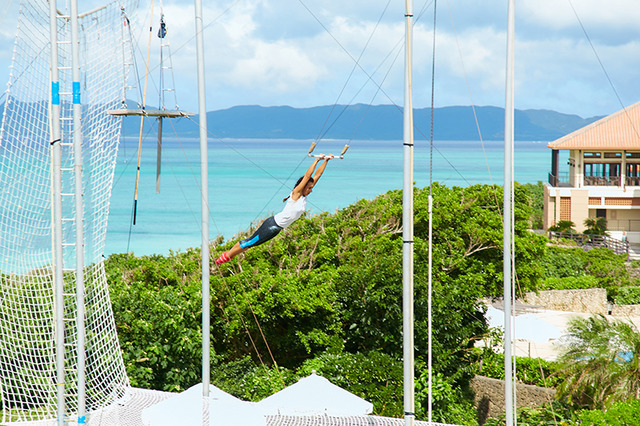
{"x": 407, "y": 228}
{"x": 430, "y": 314}
{"x": 79, "y": 219}
{"x": 56, "y": 213}
{"x": 430, "y": 284}
{"x": 507, "y": 201}
{"x": 159, "y": 155}
{"x": 204, "y": 176}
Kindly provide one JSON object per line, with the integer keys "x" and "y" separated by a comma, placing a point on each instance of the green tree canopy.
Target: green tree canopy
{"x": 328, "y": 284}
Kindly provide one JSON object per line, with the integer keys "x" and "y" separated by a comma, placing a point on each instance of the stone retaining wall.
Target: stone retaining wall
{"x": 625, "y": 310}
{"x": 489, "y": 396}
{"x": 589, "y": 301}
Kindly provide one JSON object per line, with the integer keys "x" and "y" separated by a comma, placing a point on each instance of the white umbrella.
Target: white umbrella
{"x": 314, "y": 395}
{"x": 528, "y": 326}
{"x": 186, "y": 409}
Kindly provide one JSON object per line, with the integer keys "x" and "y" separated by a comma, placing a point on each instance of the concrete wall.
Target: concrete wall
{"x": 548, "y": 208}
{"x": 489, "y": 396}
{"x": 590, "y": 301}
{"x": 579, "y": 208}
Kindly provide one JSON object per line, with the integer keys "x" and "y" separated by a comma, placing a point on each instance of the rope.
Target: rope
{"x": 473, "y": 106}
{"x": 321, "y": 133}
{"x": 253, "y": 343}
{"x": 604, "y": 70}
{"x": 369, "y": 77}
{"x": 355, "y": 65}
{"x": 264, "y": 339}
{"x": 144, "y": 99}
{"x": 132, "y": 214}
{"x": 194, "y": 175}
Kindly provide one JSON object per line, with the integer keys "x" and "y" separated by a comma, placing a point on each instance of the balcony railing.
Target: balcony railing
{"x": 587, "y": 241}
{"x": 562, "y": 179}
{"x": 602, "y": 180}
{"x": 632, "y": 181}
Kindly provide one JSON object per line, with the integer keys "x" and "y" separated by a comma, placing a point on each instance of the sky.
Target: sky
{"x": 573, "y": 56}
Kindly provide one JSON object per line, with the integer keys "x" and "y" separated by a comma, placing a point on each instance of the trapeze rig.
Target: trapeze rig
{"x": 313, "y": 146}
{"x": 143, "y": 112}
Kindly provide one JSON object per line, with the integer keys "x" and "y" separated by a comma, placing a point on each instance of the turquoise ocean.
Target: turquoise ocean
{"x": 249, "y": 178}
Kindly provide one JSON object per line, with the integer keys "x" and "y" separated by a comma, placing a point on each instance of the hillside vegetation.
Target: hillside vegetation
{"x": 326, "y": 295}
{"x": 376, "y": 122}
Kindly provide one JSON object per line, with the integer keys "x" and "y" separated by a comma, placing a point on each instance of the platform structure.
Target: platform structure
{"x": 158, "y": 113}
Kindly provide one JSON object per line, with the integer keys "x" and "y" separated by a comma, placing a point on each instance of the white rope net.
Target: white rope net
{"x": 27, "y": 318}
{"x": 326, "y": 420}
{"x": 28, "y": 384}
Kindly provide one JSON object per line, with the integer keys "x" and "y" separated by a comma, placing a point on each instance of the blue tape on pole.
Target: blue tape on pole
{"x": 55, "y": 93}
{"x": 76, "y": 92}
{"x": 81, "y": 420}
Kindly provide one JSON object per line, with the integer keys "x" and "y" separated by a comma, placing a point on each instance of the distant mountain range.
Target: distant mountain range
{"x": 365, "y": 122}
{"x": 379, "y": 122}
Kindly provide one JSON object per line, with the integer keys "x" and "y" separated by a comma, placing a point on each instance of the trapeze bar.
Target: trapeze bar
{"x": 313, "y": 146}
{"x": 151, "y": 112}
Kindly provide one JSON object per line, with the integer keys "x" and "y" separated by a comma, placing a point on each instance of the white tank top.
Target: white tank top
{"x": 291, "y": 212}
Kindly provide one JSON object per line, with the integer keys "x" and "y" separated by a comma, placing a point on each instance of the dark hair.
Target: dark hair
{"x": 296, "y": 185}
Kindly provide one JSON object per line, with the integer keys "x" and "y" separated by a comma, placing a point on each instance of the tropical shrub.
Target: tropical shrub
{"x": 628, "y": 296}
{"x": 554, "y": 413}
{"x": 451, "y": 404}
{"x": 568, "y": 283}
{"x": 530, "y": 371}
{"x": 604, "y": 268}
{"x": 619, "y": 414}
{"x": 157, "y": 310}
{"x": 600, "y": 363}
{"x": 560, "y": 262}
{"x": 563, "y": 226}
{"x": 609, "y": 268}
{"x": 595, "y": 226}
{"x": 536, "y": 202}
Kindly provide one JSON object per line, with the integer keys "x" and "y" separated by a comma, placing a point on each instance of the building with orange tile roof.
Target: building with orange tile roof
{"x": 603, "y": 176}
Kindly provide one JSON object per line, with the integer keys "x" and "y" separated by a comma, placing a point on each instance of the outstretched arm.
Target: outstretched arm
{"x": 321, "y": 168}
{"x": 298, "y": 190}
{"x": 307, "y": 176}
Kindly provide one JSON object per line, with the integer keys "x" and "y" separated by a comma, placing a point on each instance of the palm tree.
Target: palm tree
{"x": 563, "y": 226}
{"x": 596, "y": 226}
{"x": 600, "y": 363}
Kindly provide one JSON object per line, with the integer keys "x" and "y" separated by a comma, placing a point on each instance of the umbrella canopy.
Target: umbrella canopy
{"x": 528, "y": 326}
{"x": 186, "y": 409}
{"x": 314, "y": 395}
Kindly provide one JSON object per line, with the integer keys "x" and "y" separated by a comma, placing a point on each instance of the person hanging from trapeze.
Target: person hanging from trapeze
{"x": 296, "y": 205}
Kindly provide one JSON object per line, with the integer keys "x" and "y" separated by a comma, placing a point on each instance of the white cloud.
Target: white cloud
{"x": 271, "y": 52}
{"x": 592, "y": 13}
{"x": 275, "y": 67}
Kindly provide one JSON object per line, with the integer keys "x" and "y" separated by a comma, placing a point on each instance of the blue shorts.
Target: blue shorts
{"x": 267, "y": 231}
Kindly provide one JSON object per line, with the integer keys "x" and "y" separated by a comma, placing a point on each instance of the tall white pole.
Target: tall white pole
{"x": 56, "y": 200}
{"x": 79, "y": 211}
{"x": 204, "y": 177}
{"x": 407, "y": 227}
{"x": 508, "y": 204}
{"x": 430, "y": 272}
